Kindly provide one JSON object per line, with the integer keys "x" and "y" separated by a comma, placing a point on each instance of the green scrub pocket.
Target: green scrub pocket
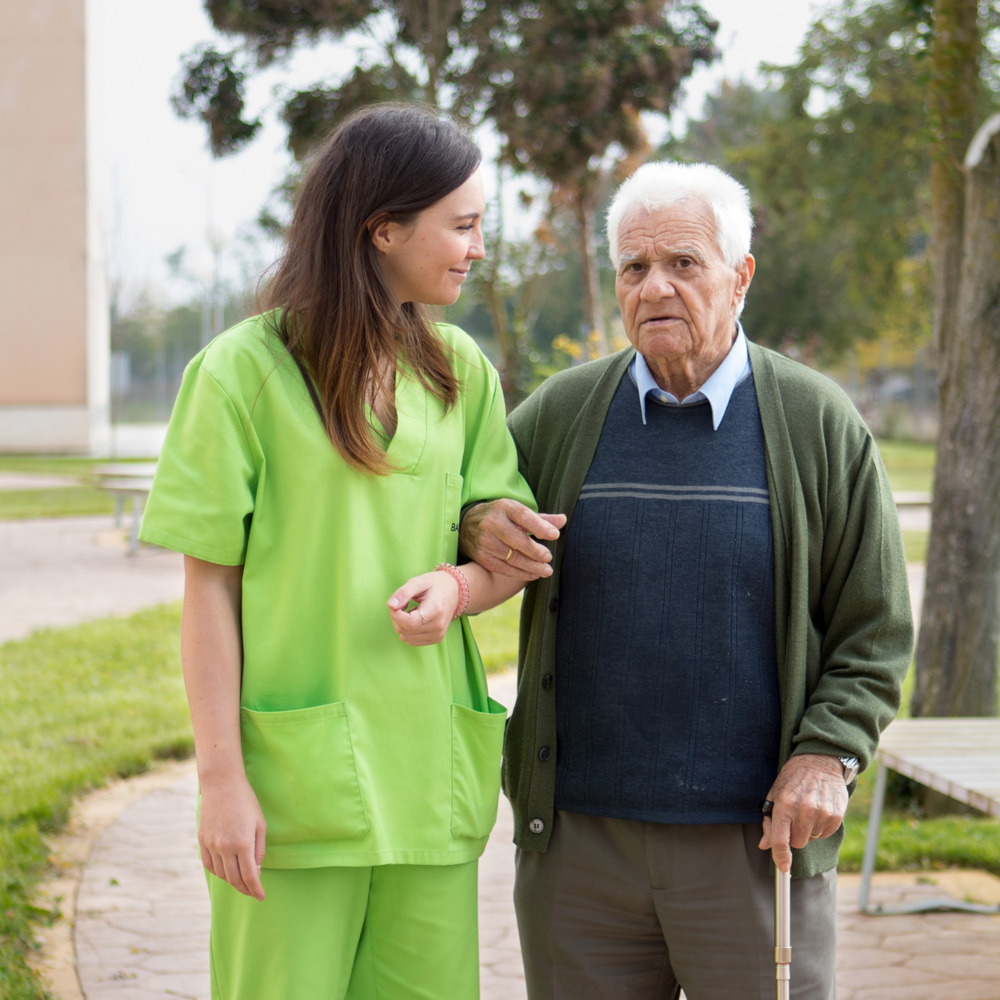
{"x": 300, "y": 764}
{"x": 476, "y": 744}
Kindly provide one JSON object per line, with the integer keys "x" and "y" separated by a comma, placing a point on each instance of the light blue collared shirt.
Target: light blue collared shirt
{"x": 718, "y": 390}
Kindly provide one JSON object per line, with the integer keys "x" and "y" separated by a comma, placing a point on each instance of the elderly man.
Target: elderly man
{"x": 726, "y": 622}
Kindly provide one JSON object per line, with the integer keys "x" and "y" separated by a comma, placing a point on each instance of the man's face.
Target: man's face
{"x": 678, "y": 297}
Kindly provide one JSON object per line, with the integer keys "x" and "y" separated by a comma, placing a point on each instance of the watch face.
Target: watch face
{"x": 850, "y": 768}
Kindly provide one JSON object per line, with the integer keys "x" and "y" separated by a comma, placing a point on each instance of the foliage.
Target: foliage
{"x": 834, "y": 152}
{"x": 80, "y": 705}
{"x": 513, "y": 287}
{"x": 405, "y": 46}
{"x": 584, "y": 72}
{"x": 565, "y": 83}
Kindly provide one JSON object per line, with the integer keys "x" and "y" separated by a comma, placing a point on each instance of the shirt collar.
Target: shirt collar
{"x": 718, "y": 390}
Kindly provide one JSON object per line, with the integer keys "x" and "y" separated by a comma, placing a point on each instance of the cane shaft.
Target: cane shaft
{"x": 782, "y": 933}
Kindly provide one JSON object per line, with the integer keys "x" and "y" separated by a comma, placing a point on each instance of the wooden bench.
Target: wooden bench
{"x": 127, "y": 481}
{"x": 957, "y": 757}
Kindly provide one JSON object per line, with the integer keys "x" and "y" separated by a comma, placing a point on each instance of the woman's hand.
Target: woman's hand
{"x": 436, "y": 597}
{"x": 231, "y": 830}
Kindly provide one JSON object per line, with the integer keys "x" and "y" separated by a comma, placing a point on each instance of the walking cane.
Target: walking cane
{"x": 782, "y": 933}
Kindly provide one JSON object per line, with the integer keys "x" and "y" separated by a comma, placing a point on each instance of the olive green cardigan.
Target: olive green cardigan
{"x": 843, "y": 622}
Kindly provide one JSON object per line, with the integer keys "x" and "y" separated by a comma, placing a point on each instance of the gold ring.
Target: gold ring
{"x": 814, "y": 836}
{"x": 506, "y": 558}
{"x": 423, "y": 621}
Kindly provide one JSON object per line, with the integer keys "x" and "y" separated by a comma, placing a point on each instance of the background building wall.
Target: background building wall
{"x": 54, "y": 328}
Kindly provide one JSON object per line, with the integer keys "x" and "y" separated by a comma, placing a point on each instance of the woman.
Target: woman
{"x": 314, "y": 472}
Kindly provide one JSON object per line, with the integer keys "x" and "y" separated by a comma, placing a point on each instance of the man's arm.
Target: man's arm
{"x": 866, "y": 646}
{"x": 500, "y": 536}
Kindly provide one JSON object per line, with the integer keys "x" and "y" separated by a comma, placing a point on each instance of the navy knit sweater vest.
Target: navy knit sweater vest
{"x": 667, "y": 695}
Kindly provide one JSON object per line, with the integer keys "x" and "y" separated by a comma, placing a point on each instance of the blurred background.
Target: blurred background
{"x": 194, "y": 119}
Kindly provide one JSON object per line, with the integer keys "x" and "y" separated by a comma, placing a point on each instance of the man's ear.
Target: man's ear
{"x": 745, "y": 274}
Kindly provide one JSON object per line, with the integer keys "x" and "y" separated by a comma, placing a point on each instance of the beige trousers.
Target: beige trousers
{"x": 626, "y": 909}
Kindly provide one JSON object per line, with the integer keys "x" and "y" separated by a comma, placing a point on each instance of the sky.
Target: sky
{"x": 159, "y": 188}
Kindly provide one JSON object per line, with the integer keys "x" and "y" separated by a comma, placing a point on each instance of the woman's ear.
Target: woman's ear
{"x": 384, "y": 233}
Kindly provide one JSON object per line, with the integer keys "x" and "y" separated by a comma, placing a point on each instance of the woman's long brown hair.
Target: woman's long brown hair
{"x": 334, "y": 311}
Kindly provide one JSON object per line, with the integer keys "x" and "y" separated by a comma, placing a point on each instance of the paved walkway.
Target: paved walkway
{"x": 129, "y": 860}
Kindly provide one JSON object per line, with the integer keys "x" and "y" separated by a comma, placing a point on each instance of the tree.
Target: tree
{"x": 956, "y": 660}
{"x": 565, "y": 83}
{"x": 405, "y": 47}
{"x": 833, "y": 151}
{"x": 584, "y": 72}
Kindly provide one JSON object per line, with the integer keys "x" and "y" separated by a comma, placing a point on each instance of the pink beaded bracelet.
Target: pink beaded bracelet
{"x": 463, "y": 587}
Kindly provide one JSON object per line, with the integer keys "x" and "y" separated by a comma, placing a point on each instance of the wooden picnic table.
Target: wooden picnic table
{"x": 127, "y": 481}
{"x": 958, "y": 757}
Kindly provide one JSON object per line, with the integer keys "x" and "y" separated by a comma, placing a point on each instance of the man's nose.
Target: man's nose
{"x": 657, "y": 285}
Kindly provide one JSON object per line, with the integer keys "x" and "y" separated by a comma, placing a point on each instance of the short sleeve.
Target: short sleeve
{"x": 202, "y": 498}
{"x": 491, "y": 460}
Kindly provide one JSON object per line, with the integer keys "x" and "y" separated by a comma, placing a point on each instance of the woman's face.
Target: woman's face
{"x": 427, "y": 261}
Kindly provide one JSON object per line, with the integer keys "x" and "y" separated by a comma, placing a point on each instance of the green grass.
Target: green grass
{"x": 49, "y": 465}
{"x": 79, "y": 706}
{"x": 915, "y": 545}
{"x": 66, "y": 501}
{"x": 910, "y": 465}
{"x": 69, "y": 501}
{"x": 909, "y": 841}
{"x": 496, "y": 635}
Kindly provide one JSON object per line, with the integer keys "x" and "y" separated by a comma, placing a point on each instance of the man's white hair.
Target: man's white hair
{"x": 661, "y": 183}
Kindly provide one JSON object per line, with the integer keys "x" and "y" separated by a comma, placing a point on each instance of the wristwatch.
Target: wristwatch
{"x": 850, "y": 768}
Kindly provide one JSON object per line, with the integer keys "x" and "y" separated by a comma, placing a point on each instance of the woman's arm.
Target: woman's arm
{"x": 231, "y": 825}
{"x": 437, "y": 596}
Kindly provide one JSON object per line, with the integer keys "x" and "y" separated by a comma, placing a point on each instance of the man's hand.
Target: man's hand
{"x": 498, "y": 535}
{"x": 810, "y": 799}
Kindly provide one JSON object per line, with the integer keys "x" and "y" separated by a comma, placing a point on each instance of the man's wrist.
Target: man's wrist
{"x": 851, "y": 768}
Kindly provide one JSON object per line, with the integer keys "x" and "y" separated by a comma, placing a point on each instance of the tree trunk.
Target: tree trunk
{"x": 584, "y": 207}
{"x": 956, "y": 665}
{"x": 952, "y": 97}
{"x": 510, "y": 345}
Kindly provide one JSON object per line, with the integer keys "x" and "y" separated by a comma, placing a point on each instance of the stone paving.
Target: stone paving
{"x": 129, "y": 859}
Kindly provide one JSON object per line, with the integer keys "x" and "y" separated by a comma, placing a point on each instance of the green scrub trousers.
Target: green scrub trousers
{"x": 390, "y": 932}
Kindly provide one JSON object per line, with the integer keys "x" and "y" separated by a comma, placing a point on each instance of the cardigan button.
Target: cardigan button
{"x": 554, "y": 604}
{"x": 536, "y": 826}
{"x": 544, "y": 753}
{"x": 547, "y": 681}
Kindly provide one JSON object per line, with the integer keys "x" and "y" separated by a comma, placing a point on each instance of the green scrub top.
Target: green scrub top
{"x": 361, "y": 750}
